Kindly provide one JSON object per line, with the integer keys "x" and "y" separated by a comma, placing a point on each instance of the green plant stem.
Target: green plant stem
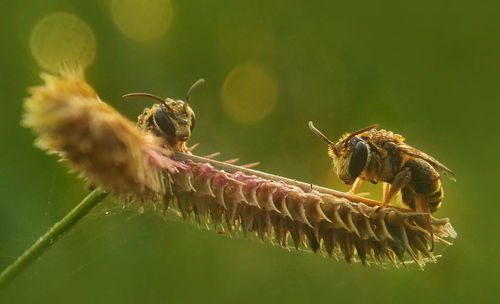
{"x": 49, "y": 238}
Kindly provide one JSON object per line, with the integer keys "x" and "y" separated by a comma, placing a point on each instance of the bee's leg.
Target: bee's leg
{"x": 401, "y": 179}
{"x": 190, "y": 149}
{"x": 356, "y": 185}
{"x": 385, "y": 190}
{"x": 423, "y": 206}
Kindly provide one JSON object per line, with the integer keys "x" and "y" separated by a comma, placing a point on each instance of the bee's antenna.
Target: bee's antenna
{"x": 144, "y": 95}
{"x": 346, "y": 140}
{"x": 323, "y": 137}
{"x": 188, "y": 95}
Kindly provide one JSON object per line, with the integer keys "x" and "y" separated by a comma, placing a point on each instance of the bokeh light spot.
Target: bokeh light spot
{"x": 249, "y": 93}
{"x": 142, "y": 20}
{"x": 62, "y": 38}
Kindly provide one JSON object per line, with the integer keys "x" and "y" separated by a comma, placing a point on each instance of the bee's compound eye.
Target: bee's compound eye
{"x": 358, "y": 159}
{"x": 164, "y": 123}
{"x": 193, "y": 119}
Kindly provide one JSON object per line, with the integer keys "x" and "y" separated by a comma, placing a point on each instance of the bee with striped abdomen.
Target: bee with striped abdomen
{"x": 380, "y": 155}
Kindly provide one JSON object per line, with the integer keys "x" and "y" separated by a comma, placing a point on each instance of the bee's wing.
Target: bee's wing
{"x": 408, "y": 150}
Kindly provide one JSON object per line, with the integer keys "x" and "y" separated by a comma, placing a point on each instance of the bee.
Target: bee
{"x": 171, "y": 120}
{"x": 379, "y": 155}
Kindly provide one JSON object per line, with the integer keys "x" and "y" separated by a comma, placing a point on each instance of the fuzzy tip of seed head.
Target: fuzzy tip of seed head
{"x": 92, "y": 137}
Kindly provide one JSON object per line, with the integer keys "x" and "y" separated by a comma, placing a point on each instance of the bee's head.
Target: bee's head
{"x": 350, "y": 154}
{"x": 171, "y": 119}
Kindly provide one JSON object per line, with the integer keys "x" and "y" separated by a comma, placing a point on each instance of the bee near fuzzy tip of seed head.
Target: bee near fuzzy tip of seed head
{"x": 171, "y": 120}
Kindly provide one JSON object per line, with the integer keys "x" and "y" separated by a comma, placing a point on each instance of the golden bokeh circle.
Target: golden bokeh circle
{"x": 142, "y": 20}
{"x": 249, "y": 93}
{"x": 60, "y": 39}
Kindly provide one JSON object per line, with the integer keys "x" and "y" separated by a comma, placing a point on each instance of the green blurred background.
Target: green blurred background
{"x": 428, "y": 70}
